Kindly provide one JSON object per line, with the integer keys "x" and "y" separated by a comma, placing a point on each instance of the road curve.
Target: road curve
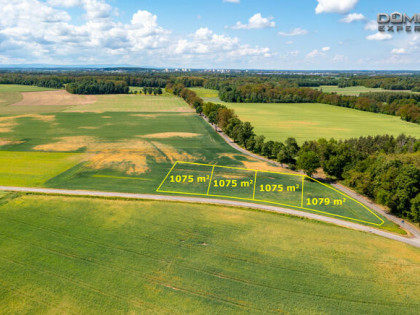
{"x": 414, "y": 240}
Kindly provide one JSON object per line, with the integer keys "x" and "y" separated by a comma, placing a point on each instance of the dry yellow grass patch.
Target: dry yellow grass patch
{"x": 127, "y": 161}
{"x": 145, "y": 115}
{"x": 262, "y": 166}
{"x": 7, "y": 123}
{"x": 66, "y": 144}
{"x": 228, "y": 155}
{"x": 106, "y": 117}
{"x": 7, "y": 142}
{"x": 51, "y": 98}
{"x": 172, "y": 154}
{"x": 128, "y": 156}
{"x": 88, "y": 127}
{"x": 164, "y": 135}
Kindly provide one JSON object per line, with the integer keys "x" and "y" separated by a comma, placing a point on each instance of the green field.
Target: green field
{"x": 93, "y": 256}
{"x": 354, "y": 90}
{"x": 351, "y": 90}
{"x": 134, "y": 103}
{"x": 13, "y": 88}
{"x": 310, "y": 121}
{"x": 120, "y": 151}
{"x": 33, "y": 168}
{"x": 294, "y": 191}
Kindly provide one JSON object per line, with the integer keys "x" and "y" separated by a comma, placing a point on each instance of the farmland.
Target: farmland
{"x": 81, "y": 255}
{"x": 122, "y": 151}
{"x": 309, "y": 121}
{"x": 353, "y": 90}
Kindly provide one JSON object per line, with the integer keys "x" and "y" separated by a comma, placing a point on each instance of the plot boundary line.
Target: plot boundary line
{"x": 267, "y": 201}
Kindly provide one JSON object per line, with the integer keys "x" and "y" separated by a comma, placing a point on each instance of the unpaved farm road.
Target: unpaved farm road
{"x": 414, "y": 240}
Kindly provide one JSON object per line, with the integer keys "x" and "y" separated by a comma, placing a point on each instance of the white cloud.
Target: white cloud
{"x": 325, "y": 49}
{"x": 399, "y": 51}
{"x": 290, "y": 42}
{"x": 335, "y": 6}
{"x": 33, "y": 31}
{"x": 379, "y": 36}
{"x": 255, "y": 22}
{"x": 295, "y": 32}
{"x": 206, "y": 43}
{"x": 371, "y": 25}
{"x": 352, "y": 17}
{"x": 314, "y": 53}
{"x": 339, "y": 59}
{"x": 232, "y": 1}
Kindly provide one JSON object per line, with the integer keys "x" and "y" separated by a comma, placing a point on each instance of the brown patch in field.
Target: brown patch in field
{"x": 127, "y": 156}
{"x": 262, "y": 166}
{"x": 66, "y": 144}
{"x": 164, "y": 135}
{"x": 152, "y": 116}
{"x": 7, "y": 123}
{"x": 6, "y": 127}
{"x": 7, "y": 142}
{"x": 54, "y": 98}
{"x": 127, "y": 161}
{"x": 88, "y": 127}
{"x": 106, "y": 117}
{"x": 172, "y": 154}
{"x": 228, "y": 155}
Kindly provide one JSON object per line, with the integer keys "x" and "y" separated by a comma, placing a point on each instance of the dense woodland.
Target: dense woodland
{"x": 98, "y": 87}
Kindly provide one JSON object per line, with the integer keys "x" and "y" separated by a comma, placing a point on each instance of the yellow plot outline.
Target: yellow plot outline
{"x": 267, "y": 201}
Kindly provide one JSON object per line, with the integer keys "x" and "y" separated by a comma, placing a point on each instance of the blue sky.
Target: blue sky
{"x": 264, "y": 34}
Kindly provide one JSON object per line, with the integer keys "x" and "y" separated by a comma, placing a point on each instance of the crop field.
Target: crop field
{"x": 351, "y": 90}
{"x": 354, "y": 90}
{"x": 81, "y": 255}
{"x": 33, "y": 168}
{"x": 121, "y": 151}
{"x": 310, "y": 121}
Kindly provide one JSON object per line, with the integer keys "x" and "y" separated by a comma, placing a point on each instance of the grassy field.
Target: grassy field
{"x": 80, "y": 255}
{"x": 13, "y": 88}
{"x": 120, "y": 151}
{"x": 33, "y": 168}
{"x": 353, "y": 90}
{"x": 12, "y": 94}
{"x": 296, "y": 191}
{"x": 308, "y": 121}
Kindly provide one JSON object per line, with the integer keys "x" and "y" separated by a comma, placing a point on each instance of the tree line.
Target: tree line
{"x": 384, "y": 168}
{"x": 97, "y": 87}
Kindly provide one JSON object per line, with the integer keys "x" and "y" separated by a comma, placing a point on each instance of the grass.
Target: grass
{"x": 185, "y": 178}
{"x": 310, "y": 121}
{"x": 33, "y": 168}
{"x": 95, "y": 256}
{"x": 120, "y": 150}
{"x": 134, "y": 103}
{"x": 11, "y": 88}
{"x": 354, "y": 90}
{"x": 351, "y": 90}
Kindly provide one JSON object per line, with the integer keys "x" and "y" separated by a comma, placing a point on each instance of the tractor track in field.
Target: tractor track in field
{"x": 414, "y": 240}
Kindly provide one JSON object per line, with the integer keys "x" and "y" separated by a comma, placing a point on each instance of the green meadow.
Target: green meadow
{"x": 353, "y": 90}
{"x": 310, "y": 121}
{"x": 95, "y": 256}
